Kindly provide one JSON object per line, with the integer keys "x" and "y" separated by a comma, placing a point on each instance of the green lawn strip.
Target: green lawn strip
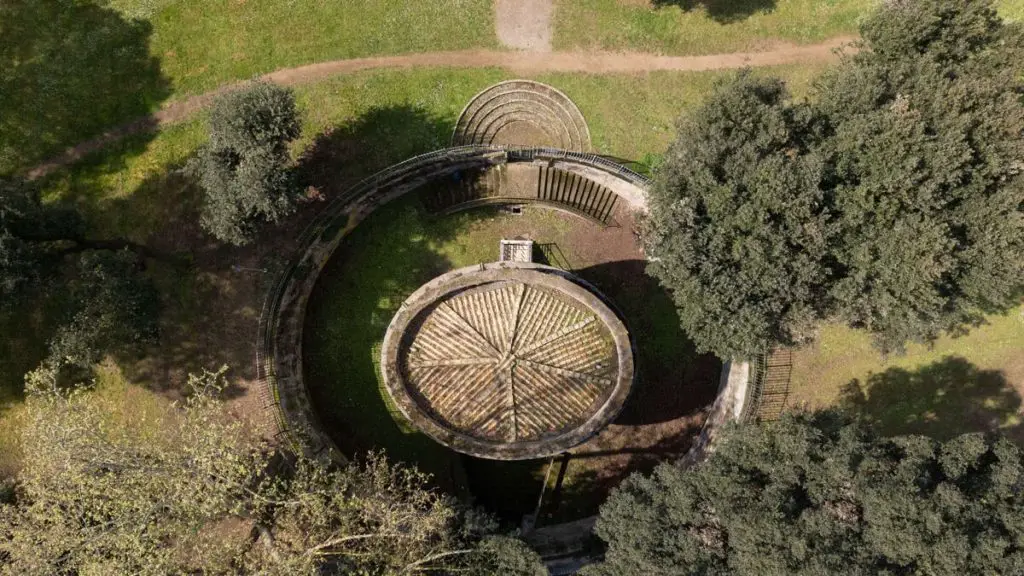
{"x": 973, "y": 382}
{"x": 708, "y": 28}
{"x": 633, "y": 116}
{"x": 714, "y": 27}
{"x": 204, "y": 44}
{"x": 365, "y": 121}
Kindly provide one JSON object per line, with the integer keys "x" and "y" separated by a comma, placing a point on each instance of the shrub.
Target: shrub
{"x": 244, "y": 170}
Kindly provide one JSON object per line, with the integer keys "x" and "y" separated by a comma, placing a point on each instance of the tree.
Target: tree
{"x": 738, "y": 228}
{"x": 114, "y": 306}
{"x": 894, "y": 202}
{"x": 195, "y": 495}
{"x": 927, "y": 138}
{"x": 244, "y": 170}
{"x": 817, "y": 494}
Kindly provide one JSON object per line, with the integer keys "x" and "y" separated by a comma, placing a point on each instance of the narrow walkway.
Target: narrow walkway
{"x": 521, "y": 62}
{"x": 524, "y": 24}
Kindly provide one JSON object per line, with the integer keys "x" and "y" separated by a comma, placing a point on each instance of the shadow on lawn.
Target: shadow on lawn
{"x": 722, "y": 11}
{"x": 382, "y": 136}
{"x": 941, "y": 400}
{"x": 212, "y": 293}
{"x": 375, "y": 268}
{"x": 673, "y": 380}
{"x": 69, "y": 71}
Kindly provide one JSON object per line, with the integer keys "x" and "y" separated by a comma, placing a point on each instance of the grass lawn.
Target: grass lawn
{"x": 685, "y": 27}
{"x": 371, "y": 119}
{"x": 971, "y": 383}
{"x": 204, "y": 44}
{"x": 70, "y": 70}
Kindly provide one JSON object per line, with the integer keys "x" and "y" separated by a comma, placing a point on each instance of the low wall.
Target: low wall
{"x": 279, "y": 343}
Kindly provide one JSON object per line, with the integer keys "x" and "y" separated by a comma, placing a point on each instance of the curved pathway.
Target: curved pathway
{"x": 519, "y": 62}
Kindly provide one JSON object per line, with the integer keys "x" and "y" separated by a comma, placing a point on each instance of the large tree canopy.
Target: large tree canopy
{"x": 815, "y": 494}
{"x": 244, "y": 169}
{"x": 895, "y": 201}
{"x": 97, "y": 496}
{"x": 738, "y": 228}
{"x": 928, "y": 149}
{"x": 113, "y": 305}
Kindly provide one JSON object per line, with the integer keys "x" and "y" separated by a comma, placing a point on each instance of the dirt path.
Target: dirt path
{"x": 522, "y": 62}
{"x": 524, "y": 24}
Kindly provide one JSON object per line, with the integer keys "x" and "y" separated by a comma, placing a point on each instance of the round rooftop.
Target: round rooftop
{"x": 507, "y": 361}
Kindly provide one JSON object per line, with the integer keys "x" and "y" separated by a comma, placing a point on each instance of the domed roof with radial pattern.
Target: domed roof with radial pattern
{"x": 510, "y": 361}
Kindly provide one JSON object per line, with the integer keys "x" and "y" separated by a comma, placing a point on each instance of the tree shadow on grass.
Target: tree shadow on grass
{"x": 941, "y": 400}
{"x": 378, "y": 138}
{"x": 70, "y": 69}
{"x": 385, "y": 259}
{"x": 722, "y": 11}
{"x": 212, "y": 293}
{"x": 672, "y": 380}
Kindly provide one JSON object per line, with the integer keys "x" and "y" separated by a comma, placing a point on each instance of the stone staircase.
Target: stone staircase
{"x": 522, "y": 113}
{"x": 525, "y": 184}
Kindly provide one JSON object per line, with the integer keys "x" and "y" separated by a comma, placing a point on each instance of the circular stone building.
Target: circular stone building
{"x": 507, "y": 361}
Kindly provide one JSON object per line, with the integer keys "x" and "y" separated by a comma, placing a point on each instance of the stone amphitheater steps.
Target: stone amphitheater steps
{"x": 527, "y": 184}
{"x": 542, "y": 107}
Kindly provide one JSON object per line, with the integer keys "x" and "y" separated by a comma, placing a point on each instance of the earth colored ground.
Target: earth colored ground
{"x": 524, "y": 24}
{"x": 399, "y": 248}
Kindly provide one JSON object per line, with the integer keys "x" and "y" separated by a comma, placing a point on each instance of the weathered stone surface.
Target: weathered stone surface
{"x": 507, "y": 361}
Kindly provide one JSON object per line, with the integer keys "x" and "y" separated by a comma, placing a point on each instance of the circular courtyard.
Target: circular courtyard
{"x": 406, "y": 244}
{"x": 410, "y": 332}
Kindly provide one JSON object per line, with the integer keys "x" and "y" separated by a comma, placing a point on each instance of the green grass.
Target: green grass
{"x": 974, "y": 382}
{"x": 204, "y": 44}
{"x": 727, "y": 26}
{"x": 70, "y": 70}
{"x": 712, "y": 26}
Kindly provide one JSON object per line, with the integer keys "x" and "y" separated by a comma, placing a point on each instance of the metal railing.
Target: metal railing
{"x": 392, "y": 176}
{"x": 755, "y": 388}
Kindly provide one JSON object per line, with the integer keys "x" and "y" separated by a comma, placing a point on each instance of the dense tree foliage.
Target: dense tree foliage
{"x": 815, "y": 494}
{"x": 113, "y": 306}
{"x": 928, "y": 149}
{"x": 893, "y": 202}
{"x": 244, "y": 170}
{"x": 97, "y": 496}
{"x": 738, "y": 224}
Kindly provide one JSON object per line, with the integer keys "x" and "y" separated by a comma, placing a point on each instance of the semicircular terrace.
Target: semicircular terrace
{"x": 522, "y": 113}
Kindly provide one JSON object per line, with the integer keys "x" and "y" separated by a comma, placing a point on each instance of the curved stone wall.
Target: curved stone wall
{"x": 279, "y": 346}
{"x": 279, "y": 349}
{"x": 522, "y": 113}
